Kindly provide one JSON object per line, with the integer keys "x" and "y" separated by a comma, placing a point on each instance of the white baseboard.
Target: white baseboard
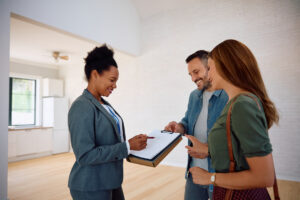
{"x": 288, "y": 178}
{"x": 29, "y": 156}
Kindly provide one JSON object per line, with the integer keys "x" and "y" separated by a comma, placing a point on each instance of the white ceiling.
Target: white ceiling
{"x": 149, "y": 8}
{"x": 33, "y": 44}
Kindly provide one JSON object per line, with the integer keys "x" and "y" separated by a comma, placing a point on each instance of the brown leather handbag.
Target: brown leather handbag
{"x": 220, "y": 193}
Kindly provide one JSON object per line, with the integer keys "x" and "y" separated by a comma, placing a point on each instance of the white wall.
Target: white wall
{"x": 115, "y": 22}
{"x": 4, "y": 70}
{"x": 271, "y": 29}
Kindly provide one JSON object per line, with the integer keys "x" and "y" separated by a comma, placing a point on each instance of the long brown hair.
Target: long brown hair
{"x": 235, "y": 63}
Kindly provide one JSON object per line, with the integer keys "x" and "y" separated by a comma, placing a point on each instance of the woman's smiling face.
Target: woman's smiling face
{"x": 106, "y": 82}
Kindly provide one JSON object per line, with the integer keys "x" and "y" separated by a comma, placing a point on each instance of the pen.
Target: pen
{"x": 150, "y": 137}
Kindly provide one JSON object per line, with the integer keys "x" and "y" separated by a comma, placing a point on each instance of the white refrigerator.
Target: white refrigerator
{"x": 55, "y": 114}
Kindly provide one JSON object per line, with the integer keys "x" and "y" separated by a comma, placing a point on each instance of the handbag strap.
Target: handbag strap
{"x": 229, "y": 142}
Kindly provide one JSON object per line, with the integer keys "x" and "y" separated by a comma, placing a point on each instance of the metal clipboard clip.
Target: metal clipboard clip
{"x": 164, "y": 131}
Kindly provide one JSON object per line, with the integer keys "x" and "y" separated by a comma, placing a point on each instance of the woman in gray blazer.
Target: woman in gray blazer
{"x": 98, "y": 134}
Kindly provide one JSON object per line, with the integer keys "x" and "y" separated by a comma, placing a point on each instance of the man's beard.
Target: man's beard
{"x": 207, "y": 84}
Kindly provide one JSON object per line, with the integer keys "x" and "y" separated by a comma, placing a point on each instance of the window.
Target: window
{"x": 22, "y": 101}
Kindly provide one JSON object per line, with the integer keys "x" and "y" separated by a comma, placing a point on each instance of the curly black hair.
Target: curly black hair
{"x": 100, "y": 59}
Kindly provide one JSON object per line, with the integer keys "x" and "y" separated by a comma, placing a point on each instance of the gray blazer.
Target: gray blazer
{"x": 97, "y": 146}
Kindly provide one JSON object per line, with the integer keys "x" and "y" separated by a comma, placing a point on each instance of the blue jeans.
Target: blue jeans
{"x": 114, "y": 194}
{"x": 194, "y": 191}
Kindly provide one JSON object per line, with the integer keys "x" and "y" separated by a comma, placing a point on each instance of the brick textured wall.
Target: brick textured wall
{"x": 271, "y": 29}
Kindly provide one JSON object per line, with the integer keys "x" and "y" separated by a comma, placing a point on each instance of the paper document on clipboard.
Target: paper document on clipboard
{"x": 157, "y": 144}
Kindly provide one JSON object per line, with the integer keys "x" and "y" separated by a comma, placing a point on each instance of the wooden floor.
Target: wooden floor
{"x": 46, "y": 179}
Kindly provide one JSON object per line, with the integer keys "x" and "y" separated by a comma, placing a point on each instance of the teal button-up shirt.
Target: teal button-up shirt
{"x": 216, "y": 104}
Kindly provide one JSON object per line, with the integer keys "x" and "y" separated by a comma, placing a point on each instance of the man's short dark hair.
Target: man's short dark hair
{"x": 201, "y": 54}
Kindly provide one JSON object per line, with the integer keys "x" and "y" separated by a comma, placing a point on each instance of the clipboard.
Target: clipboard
{"x": 153, "y": 162}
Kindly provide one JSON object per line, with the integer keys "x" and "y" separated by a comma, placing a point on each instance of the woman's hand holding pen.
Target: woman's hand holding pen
{"x": 198, "y": 150}
{"x": 138, "y": 142}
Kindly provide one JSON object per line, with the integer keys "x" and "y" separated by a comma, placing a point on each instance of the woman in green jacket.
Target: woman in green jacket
{"x": 233, "y": 68}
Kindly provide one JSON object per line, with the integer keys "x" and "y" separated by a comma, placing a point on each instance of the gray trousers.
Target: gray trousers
{"x": 114, "y": 194}
{"x": 194, "y": 191}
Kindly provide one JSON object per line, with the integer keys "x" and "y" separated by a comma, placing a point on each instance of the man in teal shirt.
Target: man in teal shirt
{"x": 204, "y": 108}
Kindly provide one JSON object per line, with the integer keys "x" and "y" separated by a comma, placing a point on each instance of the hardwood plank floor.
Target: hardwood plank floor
{"x": 46, "y": 179}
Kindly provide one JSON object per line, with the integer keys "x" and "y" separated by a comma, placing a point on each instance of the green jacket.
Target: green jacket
{"x": 96, "y": 144}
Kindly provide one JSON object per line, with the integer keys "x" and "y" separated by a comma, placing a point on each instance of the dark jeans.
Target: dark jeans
{"x": 114, "y": 194}
{"x": 194, "y": 191}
